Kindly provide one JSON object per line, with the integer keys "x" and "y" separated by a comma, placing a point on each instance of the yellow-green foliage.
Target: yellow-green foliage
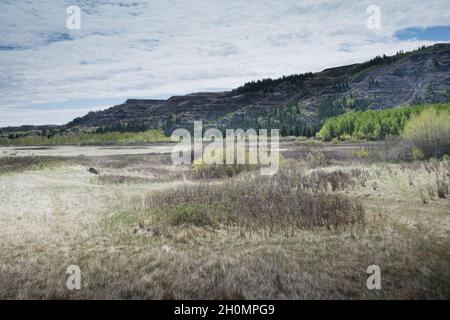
{"x": 429, "y": 133}
{"x": 90, "y": 138}
{"x": 430, "y": 124}
{"x": 362, "y": 153}
{"x": 371, "y": 124}
{"x": 417, "y": 154}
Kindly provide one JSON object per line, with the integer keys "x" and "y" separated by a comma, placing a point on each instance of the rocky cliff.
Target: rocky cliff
{"x": 383, "y": 82}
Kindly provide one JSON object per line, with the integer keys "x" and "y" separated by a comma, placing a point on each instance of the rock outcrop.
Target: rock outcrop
{"x": 384, "y": 82}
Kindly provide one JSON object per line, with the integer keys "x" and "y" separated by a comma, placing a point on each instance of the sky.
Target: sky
{"x": 50, "y": 73}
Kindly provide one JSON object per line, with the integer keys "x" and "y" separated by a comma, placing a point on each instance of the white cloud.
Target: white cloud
{"x": 150, "y": 48}
{"x": 18, "y": 117}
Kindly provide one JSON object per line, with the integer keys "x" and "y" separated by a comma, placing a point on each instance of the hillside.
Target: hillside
{"x": 297, "y": 104}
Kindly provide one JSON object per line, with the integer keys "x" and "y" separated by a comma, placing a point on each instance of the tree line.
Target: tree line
{"x": 372, "y": 124}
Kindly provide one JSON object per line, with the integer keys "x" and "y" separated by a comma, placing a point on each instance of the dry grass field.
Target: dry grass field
{"x": 144, "y": 228}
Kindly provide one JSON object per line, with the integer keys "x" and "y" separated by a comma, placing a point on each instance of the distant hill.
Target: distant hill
{"x": 297, "y": 104}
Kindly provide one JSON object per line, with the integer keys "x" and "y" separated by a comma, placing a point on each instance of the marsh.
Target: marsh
{"x": 145, "y": 228}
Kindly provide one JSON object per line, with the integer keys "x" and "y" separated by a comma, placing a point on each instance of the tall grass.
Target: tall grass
{"x": 14, "y": 164}
{"x": 203, "y": 170}
{"x": 289, "y": 199}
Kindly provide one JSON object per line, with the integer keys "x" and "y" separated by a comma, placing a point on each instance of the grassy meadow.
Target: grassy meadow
{"x": 144, "y": 228}
{"x": 139, "y": 226}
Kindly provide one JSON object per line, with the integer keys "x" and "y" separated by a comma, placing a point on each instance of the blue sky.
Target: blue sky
{"x": 435, "y": 33}
{"x": 155, "y": 49}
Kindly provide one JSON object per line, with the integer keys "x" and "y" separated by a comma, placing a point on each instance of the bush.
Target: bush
{"x": 362, "y": 153}
{"x": 417, "y": 154}
{"x": 442, "y": 187}
{"x": 443, "y": 180}
{"x": 316, "y": 159}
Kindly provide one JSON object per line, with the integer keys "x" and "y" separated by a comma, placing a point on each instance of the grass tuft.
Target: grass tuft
{"x": 290, "y": 198}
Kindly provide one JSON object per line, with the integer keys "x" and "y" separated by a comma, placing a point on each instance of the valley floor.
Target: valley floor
{"x": 55, "y": 213}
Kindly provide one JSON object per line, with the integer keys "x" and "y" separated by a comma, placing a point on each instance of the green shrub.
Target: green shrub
{"x": 417, "y": 154}
{"x": 187, "y": 214}
{"x": 346, "y": 137}
{"x": 362, "y": 153}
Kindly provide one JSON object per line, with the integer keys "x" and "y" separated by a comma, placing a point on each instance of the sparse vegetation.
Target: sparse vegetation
{"x": 316, "y": 159}
{"x": 140, "y": 227}
{"x": 290, "y": 198}
{"x": 118, "y": 179}
{"x": 108, "y": 138}
{"x": 218, "y": 171}
{"x": 14, "y": 164}
{"x": 203, "y": 170}
{"x": 308, "y": 232}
